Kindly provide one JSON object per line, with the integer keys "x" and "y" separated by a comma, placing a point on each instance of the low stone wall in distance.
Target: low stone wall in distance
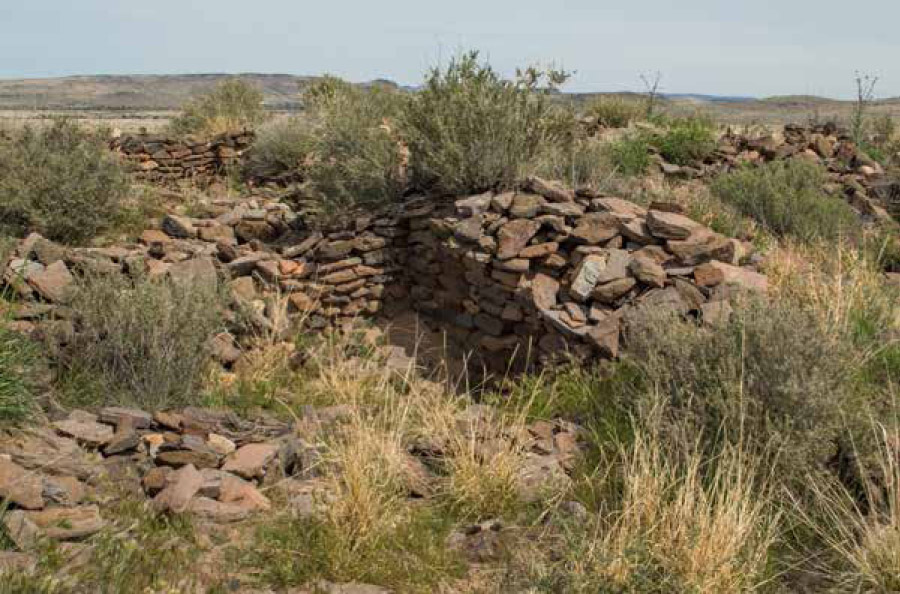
{"x": 163, "y": 158}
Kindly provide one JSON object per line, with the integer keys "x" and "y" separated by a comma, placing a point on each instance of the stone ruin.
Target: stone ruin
{"x": 530, "y": 275}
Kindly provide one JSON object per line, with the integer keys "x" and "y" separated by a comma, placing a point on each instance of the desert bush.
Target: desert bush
{"x": 614, "y": 112}
{"x": 143, "y": 342}
{"x": 233, "y": 105}
{"x": 750, "y": 380}
{"x": 685, "y": 141}
{"x": 469, "y": 130}
{"x": 282, "y": 145}
{"x": 788, "y": 198}
{"x": 356, "y": 155}
{"x": 60, "y": 181}
{"x": 629, "y": 155}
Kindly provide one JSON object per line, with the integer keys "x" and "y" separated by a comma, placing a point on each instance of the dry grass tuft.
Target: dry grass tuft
{"x": 862, "y": 529}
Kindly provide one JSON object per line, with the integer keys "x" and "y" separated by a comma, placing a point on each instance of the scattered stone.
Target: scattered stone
{"x": 181, "y": 487}
{"x": 250, "y": 461}
{"x": 85, "y": 429}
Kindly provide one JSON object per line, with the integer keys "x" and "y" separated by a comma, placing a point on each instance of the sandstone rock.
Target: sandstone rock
{"x": 123, "y": 440}
{"x": 220, "y": 444}
{"x": 539, "y": 250}
{"x": 85, "y": 430}
{"x": 605, "y": 337}
{"x": 614, "y": 290}
{"x": 715, "y": 273}
{"x": 53, "y": 283}
{"x": 64, "y": 490}
{"x": 217, "y": 511}
{"x": 190, "y": 450}
{"x": 701, "y": 247}
{"x": 616, "y": 267}
{"x": 67, "y": 523}
{"x": 625, "y": 209}
{"x": 250, "y": 461}
{"x": 178, "y": 227}
{"x": 20, "y": 487}
{"x": 473, "y": 205}
{"x": 218, "y": 233}
{"x": 595, "y": 228}
{"x": 670, "y": 225}
{"x": 181, "y": 488}
{"x": 116, "y": 415}
{"x": 586, "y": 275}
{"x": 199, "y": 272}
{"x": 238, "y": 491}
{"x": 470, "y": 229}
{"x": 514, "y": 236}
{"x": 502, "y": 202}
{"x": 647, "y": 270}
{"x": 525, "y": 206}
{"x": 544, "y": 290}
{"x": 553, "y": 191}
{"x": 562, "y": 209}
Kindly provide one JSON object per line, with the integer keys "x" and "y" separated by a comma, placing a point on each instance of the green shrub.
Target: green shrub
{"x": 788, "y": 198}
{"x": 630, "y": 155}
{"x": 751, "y": 380}
{"x": 60, "y": 181}
{"x": 18, "y": 359}
{"x": 469, "y": 130}
{"x": 614, "y": 112}
{"x": 143, "y": 342}
{"x": 233, "y": 105}
{"x": 356, "y": 155}
{"x": 686, "y": 141}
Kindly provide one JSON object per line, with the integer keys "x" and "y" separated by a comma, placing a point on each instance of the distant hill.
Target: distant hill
{"x": 167, "y": 91}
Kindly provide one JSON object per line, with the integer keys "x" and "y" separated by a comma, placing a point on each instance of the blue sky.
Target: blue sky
{"x": 726, "y": 47}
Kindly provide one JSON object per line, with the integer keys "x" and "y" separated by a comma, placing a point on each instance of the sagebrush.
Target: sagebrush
{"x": 469, "y": 129}
{"x": 143, "y": 342}
{"x": 60, "y": 181}
{"x": 788, "y": 198}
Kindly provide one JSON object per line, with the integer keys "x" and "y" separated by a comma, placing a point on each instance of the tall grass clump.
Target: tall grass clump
{"x": 60, "y": 181}
{"x": 680, "y": 523}
{"x": 859, "y": 524}
{"x": 788, "y": 198}
{"x": 685, "y": 141}
{"x": 143, "y": 342}
{"x": 232, "y": 105}
{"x": 469, "y": 130}
{"x": 18, "y": 360}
